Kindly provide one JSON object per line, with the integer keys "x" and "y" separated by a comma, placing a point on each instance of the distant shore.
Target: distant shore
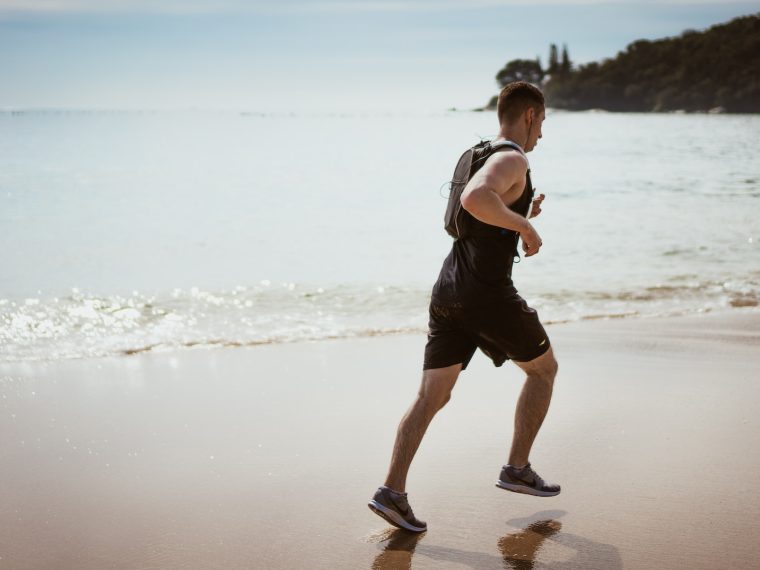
{"x": 713, "y": 111}
{"x": 709, "y": 71}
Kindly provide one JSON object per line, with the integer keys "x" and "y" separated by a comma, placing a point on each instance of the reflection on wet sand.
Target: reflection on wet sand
{"x": 397, "y": 553}
{"x": 519, "y": 549}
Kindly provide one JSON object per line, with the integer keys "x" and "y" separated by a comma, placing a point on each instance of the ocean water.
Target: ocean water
{"x": 122, "y": 232}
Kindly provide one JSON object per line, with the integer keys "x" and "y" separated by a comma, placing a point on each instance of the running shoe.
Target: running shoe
{"x": 395, "y": 509}
{"x": 526, "y": 481}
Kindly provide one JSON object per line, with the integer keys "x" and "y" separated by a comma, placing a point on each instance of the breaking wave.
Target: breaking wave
{"x": 82, "y": 325}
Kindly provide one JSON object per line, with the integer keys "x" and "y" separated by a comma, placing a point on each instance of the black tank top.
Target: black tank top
{"x": 479, "y": 267}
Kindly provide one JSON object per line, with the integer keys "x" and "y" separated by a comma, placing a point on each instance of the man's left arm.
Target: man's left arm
{"x": 536, "y": 207}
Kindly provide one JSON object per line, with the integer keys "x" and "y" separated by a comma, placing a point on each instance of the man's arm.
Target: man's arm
{"x": 498, "y": 184}
{"x": 536, "y": 207}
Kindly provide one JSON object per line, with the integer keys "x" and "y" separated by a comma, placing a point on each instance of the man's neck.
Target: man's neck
{"x": 512, "y": 135}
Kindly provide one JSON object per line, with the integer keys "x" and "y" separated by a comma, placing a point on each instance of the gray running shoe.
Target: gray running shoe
{"x": 395, "y": 509}
{"x": 526, "y": 481}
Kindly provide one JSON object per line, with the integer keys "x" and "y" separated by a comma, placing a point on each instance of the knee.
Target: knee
{"x": 434, "y": 402}
{"x": 547, "y": 372}
{"x": 554, "y": 367}
{"x": 436, "y": 387}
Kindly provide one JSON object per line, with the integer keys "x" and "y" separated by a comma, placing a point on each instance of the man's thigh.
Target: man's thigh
{"x": 509, "y": 330}
{"x": 448, "y": 342}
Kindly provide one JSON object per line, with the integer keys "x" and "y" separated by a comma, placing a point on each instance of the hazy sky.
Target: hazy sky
{"x": 307, "y": 55}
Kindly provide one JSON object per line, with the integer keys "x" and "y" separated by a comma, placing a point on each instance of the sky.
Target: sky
{"x": 302, "y": 55}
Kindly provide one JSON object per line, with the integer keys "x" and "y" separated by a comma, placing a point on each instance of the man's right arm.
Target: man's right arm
{"x": 499, "y": 183}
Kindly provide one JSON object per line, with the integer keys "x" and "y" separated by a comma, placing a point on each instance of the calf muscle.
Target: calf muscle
{"x": 434, "y": 392}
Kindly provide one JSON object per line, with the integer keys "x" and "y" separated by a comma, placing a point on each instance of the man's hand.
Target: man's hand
{"x": 531, "y": 241}
{"x": 536, "y": 209}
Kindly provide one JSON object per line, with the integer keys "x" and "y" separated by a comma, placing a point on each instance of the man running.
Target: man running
{"x": 475, "y": 305}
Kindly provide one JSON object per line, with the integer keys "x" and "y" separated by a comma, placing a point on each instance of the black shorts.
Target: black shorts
{"x": 505, "y": 330}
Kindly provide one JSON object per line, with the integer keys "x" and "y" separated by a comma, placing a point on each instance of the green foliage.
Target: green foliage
{"x": 553, "y": 60}
{"x": 521, "y": 70}
{"x": 695, "y": 71}
{"x": 565, "y": 67}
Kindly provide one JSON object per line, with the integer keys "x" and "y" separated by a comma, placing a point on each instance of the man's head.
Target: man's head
{"x": 520, "y": 109}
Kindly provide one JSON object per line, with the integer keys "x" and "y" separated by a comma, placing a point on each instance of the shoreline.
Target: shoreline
{"x": 265, "y": 457}
{"x": 412, "y": 331}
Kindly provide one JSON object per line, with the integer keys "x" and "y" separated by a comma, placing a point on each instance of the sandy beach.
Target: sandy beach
{"x": 265, "y": 457}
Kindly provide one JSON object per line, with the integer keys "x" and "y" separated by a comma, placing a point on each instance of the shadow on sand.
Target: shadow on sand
{"x": 518, "y": 550}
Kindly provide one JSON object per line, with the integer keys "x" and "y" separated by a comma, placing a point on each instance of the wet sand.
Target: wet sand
{"x": 265, "y": 457}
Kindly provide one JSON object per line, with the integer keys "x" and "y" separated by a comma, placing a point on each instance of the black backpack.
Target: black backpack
{"x": 456, "y": 217}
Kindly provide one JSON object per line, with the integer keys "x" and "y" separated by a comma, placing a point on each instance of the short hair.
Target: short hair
{"x": 515, "y": 98}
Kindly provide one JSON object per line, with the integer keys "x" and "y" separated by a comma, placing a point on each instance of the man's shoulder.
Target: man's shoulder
{"x": 505, "y": 170}
{"x": 508, "y": 159}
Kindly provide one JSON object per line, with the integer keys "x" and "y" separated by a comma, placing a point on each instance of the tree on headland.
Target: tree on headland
{"x": 529, "y": 70}
{"x": 553, "y": 60}
{"x": 565, "y": 67}
{"x": 521, "y": 70}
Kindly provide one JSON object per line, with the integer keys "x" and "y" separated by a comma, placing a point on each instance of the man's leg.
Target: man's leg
{"x": 532, "y": 405}
{"x": 434, "y": 392}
